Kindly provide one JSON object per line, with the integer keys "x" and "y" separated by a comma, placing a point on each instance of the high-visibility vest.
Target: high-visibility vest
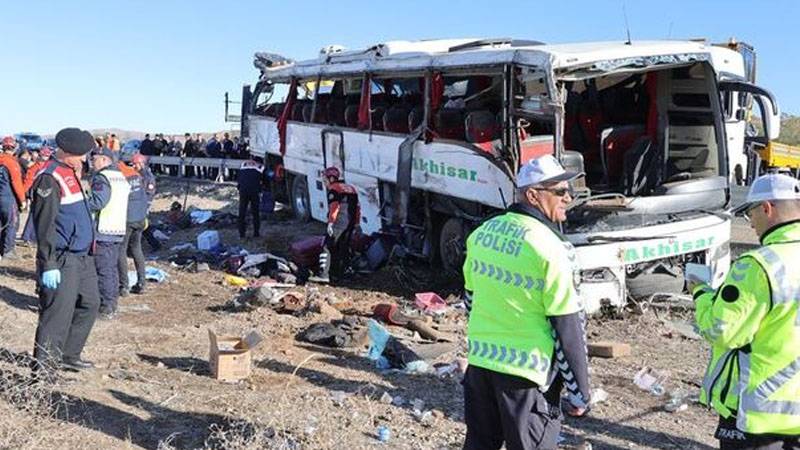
{"x": 759, "y": 381}
{"x": 520, "y": 272}
{"x": 112, "y": 219}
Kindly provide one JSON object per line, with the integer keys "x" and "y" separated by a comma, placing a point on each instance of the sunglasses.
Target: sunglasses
{"x": 748, "y": 213}
{"x": 558, "y": 192}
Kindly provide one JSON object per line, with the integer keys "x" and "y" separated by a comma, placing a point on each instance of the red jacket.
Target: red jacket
{"x": 11, "y": 164}
{"x": 343, "y": 208}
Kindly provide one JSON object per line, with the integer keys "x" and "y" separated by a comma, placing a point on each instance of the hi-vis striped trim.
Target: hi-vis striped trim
{"x": 759, "y": 399}
{"x": 787, "y": 291}
{"x": 507, "y": 277}
{"x": 508, "y": 355}
{"x": 68, "y": 197}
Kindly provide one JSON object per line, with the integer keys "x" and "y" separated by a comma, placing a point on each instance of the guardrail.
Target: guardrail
{"x": 223, "y": 164}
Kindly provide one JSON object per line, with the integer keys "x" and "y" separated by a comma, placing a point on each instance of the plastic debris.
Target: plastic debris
{"x": 389, "y": 353}
{"x": 384, "y": 434}
{"x": 678, "y": 401}
{"x": 417, "y": 405}
{"x": 200, "y": 216}
{"x": 160, "y": 235}
{"x": 386, "y": 398}
{"x": 430, "y": 302}
{"x": 208, "y": 240}
{"x": 448, "y": 370}
{"x": 232, "y": 280}
{"x": 650, "y": 380}
{"x": 598, "y": 396}
{"x": 150, "y": 274}
{"x": 398, "y": 401}
{"x": 338, "y": 397}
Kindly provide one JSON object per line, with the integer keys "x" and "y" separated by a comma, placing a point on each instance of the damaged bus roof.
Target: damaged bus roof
{"x": 595, "y": 57}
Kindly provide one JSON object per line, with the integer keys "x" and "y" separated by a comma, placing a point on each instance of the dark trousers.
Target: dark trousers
{"x": 9, "y": 218}
{"x": 107, "y": 259}
{"x": 131, "y": 246}
{"x": 335, "y": 255}
{"x": 503, "y": 408}
{"x": 730, "y": 438}
{"x": 253, "y": 202}
{"x": 67, "y": 313}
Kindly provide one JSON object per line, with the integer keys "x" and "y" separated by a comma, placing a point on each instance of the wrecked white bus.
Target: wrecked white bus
{"x": 432, "y": 133}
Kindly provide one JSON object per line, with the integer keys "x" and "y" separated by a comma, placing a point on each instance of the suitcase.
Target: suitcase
{"x": 305, "y": 252}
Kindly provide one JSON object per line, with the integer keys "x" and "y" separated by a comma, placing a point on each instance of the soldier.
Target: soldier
{"x": 65, "y": 267}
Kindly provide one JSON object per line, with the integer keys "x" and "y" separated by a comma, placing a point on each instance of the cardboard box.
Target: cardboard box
{"x": 230, "y": 356}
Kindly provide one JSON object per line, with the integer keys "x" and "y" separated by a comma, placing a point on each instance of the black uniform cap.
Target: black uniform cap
{"x": 75, "y": 141}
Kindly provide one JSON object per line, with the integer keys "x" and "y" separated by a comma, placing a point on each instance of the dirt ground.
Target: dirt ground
{"x": 152, "y": 388}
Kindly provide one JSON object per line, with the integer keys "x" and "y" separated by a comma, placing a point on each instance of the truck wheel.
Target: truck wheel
{"x": 300, "y": 202}
{"x": 452, "y": 246}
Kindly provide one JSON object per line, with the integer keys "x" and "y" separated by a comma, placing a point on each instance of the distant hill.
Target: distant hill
{"x": 790, "y": 130}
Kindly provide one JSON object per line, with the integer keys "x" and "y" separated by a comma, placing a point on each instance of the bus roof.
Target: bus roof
{"x": 397, "y": 56}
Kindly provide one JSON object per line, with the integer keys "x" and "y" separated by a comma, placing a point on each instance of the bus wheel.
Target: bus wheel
{"x": 452, "y": 245}
{"x": 300, "y": 202}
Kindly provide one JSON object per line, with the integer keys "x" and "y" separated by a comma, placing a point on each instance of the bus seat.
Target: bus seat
{"x": 449, "y": 124}
{"x": 336, "y": 111}
{"x": 532, "y": 147}
{"x": 396, "y": 119}
{"x": 320, "y": 114}
{"x": 481, "y": 126}
{"x": 377, "y": 113}
{"x": 614, "y": 144}
{"x": 415, "y": 118}
{"x": 297, "y": 111}
{"x": 351, "y": 116}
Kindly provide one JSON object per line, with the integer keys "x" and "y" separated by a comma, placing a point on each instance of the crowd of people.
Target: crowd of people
{"x": 195, "y": 146}
{"x": 526, "y": 342}
{"x": 83, "y": 234}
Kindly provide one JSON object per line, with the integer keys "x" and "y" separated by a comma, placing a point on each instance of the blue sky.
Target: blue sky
{"x": 164, "y": 66}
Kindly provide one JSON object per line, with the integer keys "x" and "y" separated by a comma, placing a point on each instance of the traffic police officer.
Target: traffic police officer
{"x": 753, "y": 326}
{"x": 344, "y": 215}
{"x": 12, "y": 197}
{"x": 109, "y": 201}
{"x": 68, "y": 296}
{"x": 525, "y": 333}
{"x": 251, "y": 179}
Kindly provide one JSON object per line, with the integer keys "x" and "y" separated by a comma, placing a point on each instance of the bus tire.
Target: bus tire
{"x": 452, "y": 245}
{"x": 645, "y": 285}
{"x": 301, "y": 206}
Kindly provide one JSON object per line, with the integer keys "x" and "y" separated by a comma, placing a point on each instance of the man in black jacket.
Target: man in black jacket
{"x": 67, "y": 279}
{"x": 251, "y": 180}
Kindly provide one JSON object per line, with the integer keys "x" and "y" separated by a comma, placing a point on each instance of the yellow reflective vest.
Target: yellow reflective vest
{"x": 519, "y": 272}
{"x": 753, "y": 325}
{"x": 112, "y": 219}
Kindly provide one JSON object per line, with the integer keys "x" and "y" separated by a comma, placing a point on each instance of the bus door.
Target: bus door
{"x": 333, "y": 154}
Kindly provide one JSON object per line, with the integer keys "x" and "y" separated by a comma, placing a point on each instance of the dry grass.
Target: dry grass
{"x": 25, "y": 402}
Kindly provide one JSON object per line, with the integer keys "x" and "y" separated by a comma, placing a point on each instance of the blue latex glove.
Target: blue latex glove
{"x": 51, "y": 278}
